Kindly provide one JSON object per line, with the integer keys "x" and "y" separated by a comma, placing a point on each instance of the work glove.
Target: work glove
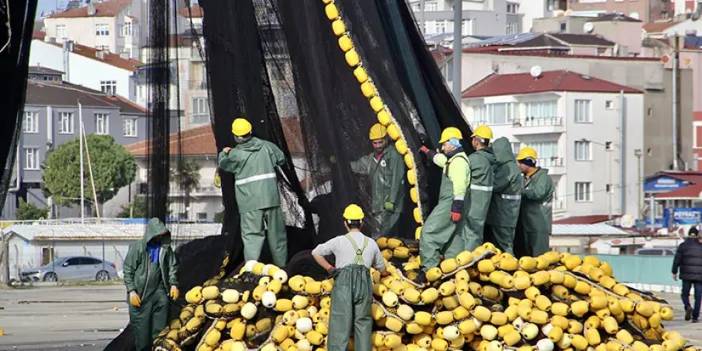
{"x": 174, "y": 293}
{"x": 456, "y": 210}
{"x": 331, "y": 271}
{"x": 428, "y": 152}
{"x": 389, "y": 206}
{"x": 134, "y": 299}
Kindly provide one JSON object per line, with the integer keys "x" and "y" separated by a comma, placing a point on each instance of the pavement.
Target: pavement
{"x": 82, "y": 318}
{"x": 86, "y": 318}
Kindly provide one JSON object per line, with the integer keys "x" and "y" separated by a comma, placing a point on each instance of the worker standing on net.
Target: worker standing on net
{"x": 441, "y": 233}
{"x": 481, "y": 182}
{"x": 386, "y": 169}
{"x": 351, "y": 297}
{"x": 535, "y": 210}
{"x": 253, "y": 162}
{"x": 506, "y": 196}
{"x": 150, "y": 274}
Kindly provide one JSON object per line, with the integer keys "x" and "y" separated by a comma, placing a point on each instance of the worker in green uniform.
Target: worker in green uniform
{"x": 352, "y": 295}
{"x": 386, "y": 168}
{"x": 150, "y": 274}
{"x": 535, "y": 212}
{"x": 441, "y": 233}
{"x": 481, "y": 181}
{"x": 253, "y": 162}
{"x": 506, "y": 196}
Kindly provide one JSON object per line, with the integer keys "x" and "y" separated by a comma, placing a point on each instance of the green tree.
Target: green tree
{"x": 27, "y": 211}
{"x": 134, "y": 209}
{"x": 187, "y": 175}
{"x": 113, "y": 167}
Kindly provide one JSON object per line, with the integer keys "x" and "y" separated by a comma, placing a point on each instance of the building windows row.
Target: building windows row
{"x": 583, "y": 151}
{"x": 494, "y": 114}
{"x": 102, "y": 124}
{"x": 31, "y": 158}
{"x": 200, "y": 110}
{"x": 583, "y": 111}
{"x": 102, "y": 30}
{"x": 31, "y": 122}
{"x": 583, "y": 191}
{"x": 66, "y": 124}
{"x": 108, "y": 87}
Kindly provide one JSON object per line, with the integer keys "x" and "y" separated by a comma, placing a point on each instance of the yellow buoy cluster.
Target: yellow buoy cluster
{"x": 484, "y": 300}
{"x": 382, "y": 111}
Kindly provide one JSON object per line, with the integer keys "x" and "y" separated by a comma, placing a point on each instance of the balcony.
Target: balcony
{"x": 197, "y": 84}
{"x": 204, "y": 191}
{"x": 555, "y": 165}
{"x": 531, "y": 125}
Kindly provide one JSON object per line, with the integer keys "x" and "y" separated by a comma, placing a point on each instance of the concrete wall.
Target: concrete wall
{"x": 573, "y": 24}
{"x": 626, "y": 34}
{"x": 645, "y": 10}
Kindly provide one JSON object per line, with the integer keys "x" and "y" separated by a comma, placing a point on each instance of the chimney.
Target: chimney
{"x": 91, "y": 9}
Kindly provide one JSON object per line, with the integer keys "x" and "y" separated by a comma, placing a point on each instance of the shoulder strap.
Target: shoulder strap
{"x": 448, "y": 162}
{"x": 358, "y": 258}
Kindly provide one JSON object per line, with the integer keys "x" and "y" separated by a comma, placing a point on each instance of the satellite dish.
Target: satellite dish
{"x": 535, "y": 71}
{"x": 588, "y": 27}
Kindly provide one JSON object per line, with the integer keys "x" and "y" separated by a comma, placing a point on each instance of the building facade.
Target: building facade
{"x": 534, "y": 9}
{"x": 587, "y": 132}
{"x": 480, "y": 17}
{"x": 645, "y": 10}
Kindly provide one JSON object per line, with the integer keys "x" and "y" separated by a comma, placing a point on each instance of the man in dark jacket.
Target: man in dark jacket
{"x": 150, "y": 270}
{"x": 688, "y": 258}
{"x": 506, "y": 196}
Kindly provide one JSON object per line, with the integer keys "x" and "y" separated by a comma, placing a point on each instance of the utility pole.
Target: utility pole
{"x": 676, "y": 88}
{"x": 457, "y": 48}
{"x": 422, "y": 18}
{"x": 80, "y": 142}
{"x": 622, "y": 151}
{"x": 639, "y": 190}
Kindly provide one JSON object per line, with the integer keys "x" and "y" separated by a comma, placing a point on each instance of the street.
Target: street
{"x": 88, "y": 317}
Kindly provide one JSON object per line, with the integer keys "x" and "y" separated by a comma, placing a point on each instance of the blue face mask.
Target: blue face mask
{"x": 455, "y": 142}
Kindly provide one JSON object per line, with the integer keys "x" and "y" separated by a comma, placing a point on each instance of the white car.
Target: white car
{"x": 71, "y": 268}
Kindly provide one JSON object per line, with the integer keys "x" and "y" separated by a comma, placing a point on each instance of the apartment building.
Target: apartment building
{"x": 480, "y": 17}
{"x": 645, "y": 10}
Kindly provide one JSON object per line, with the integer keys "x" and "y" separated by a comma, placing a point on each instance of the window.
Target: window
{"x": 61, "y": 32}
{"x": 129, "y": 127}
{"x": 512, "y": 7}
{"x": 31, "y": 158}
{"x": 66, "y": 123}
{"x": 102, "y": 123}
{"x": 582, "y": 111}
{"x": 609, "y": 104}
{"x": 102, "y": 30}
{"x": 430, "y": 6}
{"x": 441, "y": 26}
{"x": 583, "y": 191}
{"x": 31, "y": 122}
{"x": 108, "y": 87}
{"x": 201, "y": 110}
{"x": 71, "y": 262}
{"x": 541, "y": 110}
{"x": 547, "y": 151}
{"x": 563, "y": 27}
{"x": 499, "y": 113}
{"x": 582, "y": 151}
{"x": 202, "y": 216}
{"x": 127, "y": 29}
{"x": 516, "y": 146}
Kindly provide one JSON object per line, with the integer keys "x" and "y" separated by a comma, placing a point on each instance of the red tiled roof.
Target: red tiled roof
{"x": 693, "y": 191}
{"x": 195, "y": 10}
{"x": 37, "y": 34}
{"x": 657, "y": 27}
{"x": 41, "y": 92}
{"x": 692, "y": 177}
{"x": 109, "y": 8}
{"x": 107, "y": 57}
{"x": 495, "y": 50}
{"x": 524, "y": 83}
{"x": 591, "y": 219}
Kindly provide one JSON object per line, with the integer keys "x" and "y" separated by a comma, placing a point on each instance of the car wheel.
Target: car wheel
{"x": 102, "y": 276}
{"x": 50, "y": 277}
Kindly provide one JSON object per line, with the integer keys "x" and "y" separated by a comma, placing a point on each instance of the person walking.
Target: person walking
{"x": 688, "y": 261}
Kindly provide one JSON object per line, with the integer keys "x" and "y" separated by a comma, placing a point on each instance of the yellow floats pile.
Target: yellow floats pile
{"x": 483, "y": 300}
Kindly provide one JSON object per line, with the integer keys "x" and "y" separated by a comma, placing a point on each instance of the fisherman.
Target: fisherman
{"x": 506, "y": 196}
{"x": 481, "y": 180}
{"x": 150, "y": 274}
{"x": 253, "y": 162}
{"x": 535, "y": 210}
{"x": 441, "y": 233}
{"x": 386, "y": 168}
{"x": 351, "y": 297}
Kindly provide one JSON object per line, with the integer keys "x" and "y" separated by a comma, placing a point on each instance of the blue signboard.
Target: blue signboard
{"x": 663, "y": 184}
{"x": 673, "y": 217}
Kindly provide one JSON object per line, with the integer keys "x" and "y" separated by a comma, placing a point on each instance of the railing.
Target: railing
{"x": 175, "y": 190}
{"x": 197, "y": 84}
{"x": 539, "y": 122}
{"x": 550, "y": 162}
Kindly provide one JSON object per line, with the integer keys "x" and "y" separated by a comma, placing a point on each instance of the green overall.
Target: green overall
{"x": 253, "y": 164}
{"x": 441, "y": 236}
{"x": 387, "y": 186}
{"x": 535, "y": 215}
{"x": 506, "y": 196}
{"x": 152, "y": 281}
{"x": 478, "y": 201}
{"x": 351, "y": 301}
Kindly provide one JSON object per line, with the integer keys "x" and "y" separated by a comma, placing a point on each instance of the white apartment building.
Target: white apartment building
{"x": 117, "y": 26}
{"x": 480, "y": 17}
{"x": 533, "y": 9}
{"x": 575, "y": 123}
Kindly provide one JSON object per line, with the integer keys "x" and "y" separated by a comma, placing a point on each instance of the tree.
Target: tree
{"x": 113, "y": 167}
{"x": 134, "y": 209}
{"x": 27, "y": 211}
{"x": 187, "y": 175}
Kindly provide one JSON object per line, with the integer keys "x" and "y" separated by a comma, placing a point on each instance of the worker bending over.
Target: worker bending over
{"x": 481, "y": 178}
{"x": 535, "y": 212}
{"x": 441, "y": 233}
{"x": 351, "y": 297}
{"x": 386, "y": 168}
{"x": 506, "y": 196}
{"x": 150, "y": 274}
{"x": 253, "y": 162}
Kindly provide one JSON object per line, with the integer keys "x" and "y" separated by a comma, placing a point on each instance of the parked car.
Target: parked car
{"x": 71, "y": 268}
{"x": 657, "y": 251}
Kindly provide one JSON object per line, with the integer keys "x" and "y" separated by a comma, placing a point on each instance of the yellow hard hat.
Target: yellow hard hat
{"x": 527, "y": 152}
{"x": 483, "y": 131}
{"x": 377, "y": 131}
{"x": 450, "y": 133}
{"x": 241, "y": 127}
{"x": 353, "y": 212}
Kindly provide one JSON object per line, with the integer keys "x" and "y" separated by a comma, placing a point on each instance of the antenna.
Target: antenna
{"x": 535, "y": 71}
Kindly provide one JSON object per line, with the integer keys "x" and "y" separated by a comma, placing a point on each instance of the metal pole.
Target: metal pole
{"x": 675, "y": 103}
{"x": 639, "y": 189}
{"x": 651, "y": 212}
{"x": 80, "y": 142}
{"x": 622, "y": 151}
{"x": 457, "y": 48}
{"x": 609, "y": 191}
{"x": 422, "y": 17}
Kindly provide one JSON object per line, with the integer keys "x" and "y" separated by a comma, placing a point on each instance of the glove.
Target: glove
{"x": 424, "y": 149}
{"x": 174, "y": 293}
{"x": 332, "y": 271}
{"x": 456, "y": 210}
{"x": 427, "y": 151}
{"x": 389, "y": 206}
{"x": 134, "y": 299}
